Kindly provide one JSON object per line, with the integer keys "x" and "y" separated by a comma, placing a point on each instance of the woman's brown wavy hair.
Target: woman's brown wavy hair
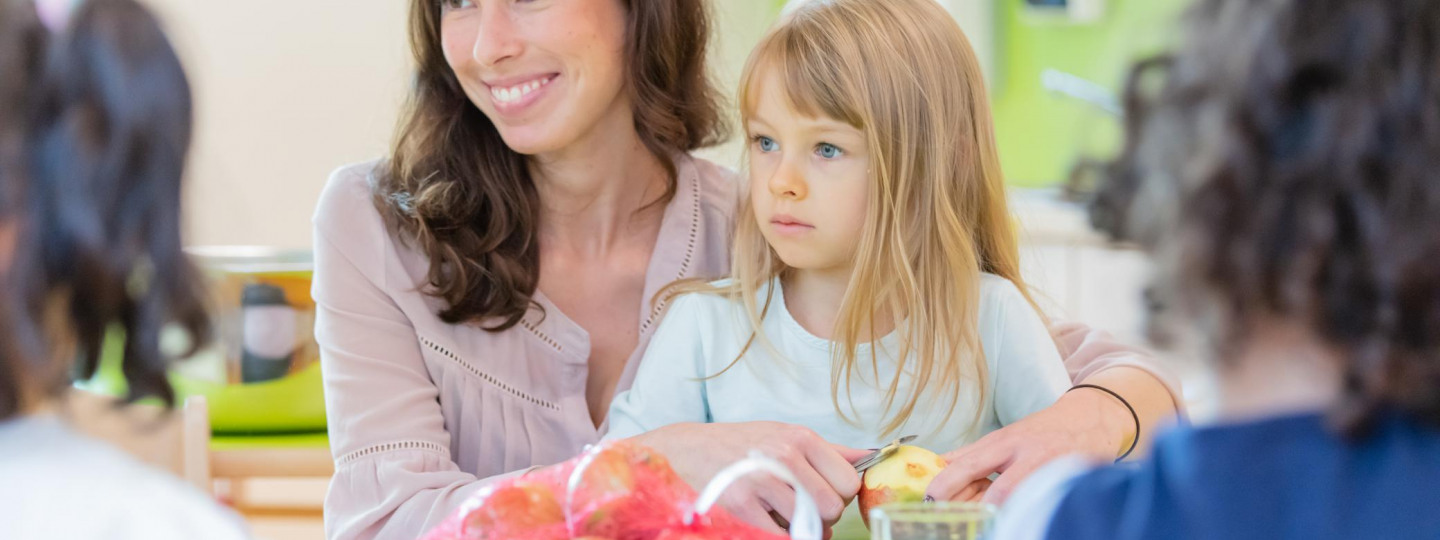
{"x": 467, "y": 200}
{"x": 1287, "y": 166}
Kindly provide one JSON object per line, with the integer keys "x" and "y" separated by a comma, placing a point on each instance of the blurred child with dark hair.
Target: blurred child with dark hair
{"x": 1286, "y": 179}
{"x": 95, "y": 119}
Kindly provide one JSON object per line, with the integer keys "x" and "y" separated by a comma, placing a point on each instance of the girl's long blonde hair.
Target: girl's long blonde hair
{"x": 903, "y": 73}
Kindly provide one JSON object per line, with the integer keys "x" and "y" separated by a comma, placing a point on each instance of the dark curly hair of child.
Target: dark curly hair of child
{"x": 1284, "y": 164}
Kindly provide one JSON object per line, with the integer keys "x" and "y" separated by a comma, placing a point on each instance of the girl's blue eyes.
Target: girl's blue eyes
{"x": 767, "y": 144}
{"x": 824, "y": 150}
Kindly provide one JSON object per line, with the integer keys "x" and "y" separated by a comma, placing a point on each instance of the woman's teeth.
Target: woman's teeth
{"x": 518, "y": 92}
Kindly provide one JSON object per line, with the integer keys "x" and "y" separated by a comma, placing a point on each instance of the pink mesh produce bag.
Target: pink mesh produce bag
{"x": 615, "y": 491}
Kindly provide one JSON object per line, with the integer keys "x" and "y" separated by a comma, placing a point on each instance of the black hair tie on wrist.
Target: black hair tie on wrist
{"x": 1133, "y": 414}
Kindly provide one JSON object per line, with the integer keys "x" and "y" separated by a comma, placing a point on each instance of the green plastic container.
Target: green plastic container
{"x": 288, "y": 402}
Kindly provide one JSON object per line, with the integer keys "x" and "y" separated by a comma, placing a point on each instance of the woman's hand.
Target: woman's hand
{"x": 1084, "y": 422}
{"x": 699, "y": 451}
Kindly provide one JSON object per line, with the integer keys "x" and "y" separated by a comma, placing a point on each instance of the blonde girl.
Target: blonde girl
{"x": 875, "y": 288}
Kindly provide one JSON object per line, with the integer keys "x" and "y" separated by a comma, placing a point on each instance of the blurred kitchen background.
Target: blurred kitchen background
{"x": 288, "y": 91}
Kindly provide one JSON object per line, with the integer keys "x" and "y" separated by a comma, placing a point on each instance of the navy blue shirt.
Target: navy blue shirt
{"x": 1279, "y": 478}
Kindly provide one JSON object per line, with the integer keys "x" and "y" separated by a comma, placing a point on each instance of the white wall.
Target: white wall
{"x": 286, "y": 91}
{"x": 977, "y": 19}
{"x": 741, "y": 25}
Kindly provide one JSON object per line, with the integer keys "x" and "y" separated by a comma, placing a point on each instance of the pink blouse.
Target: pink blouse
{"x": 423, "y": 413}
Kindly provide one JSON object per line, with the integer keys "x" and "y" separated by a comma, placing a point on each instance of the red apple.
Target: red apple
{"x": 902, "y": 477}
{"x": 628, "y": 489}
{"x": 522, "y": 509}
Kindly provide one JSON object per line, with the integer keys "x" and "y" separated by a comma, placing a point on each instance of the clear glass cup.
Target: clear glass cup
{"x": 932, "y": 521}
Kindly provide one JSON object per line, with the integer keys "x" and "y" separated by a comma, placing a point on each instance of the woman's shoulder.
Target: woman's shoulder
{"x": 348, "y": 198}
{"x": 348, "y": 219}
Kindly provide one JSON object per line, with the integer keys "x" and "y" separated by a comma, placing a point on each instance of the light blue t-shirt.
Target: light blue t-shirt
{"x": 790, "y": 382}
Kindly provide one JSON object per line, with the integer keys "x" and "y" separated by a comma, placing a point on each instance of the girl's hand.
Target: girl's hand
{"x": 975, "y": 492}
{"x": 698, "y": 451}
{"x": 1083, "y": 422}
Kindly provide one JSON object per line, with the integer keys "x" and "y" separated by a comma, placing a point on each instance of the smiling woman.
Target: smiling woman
{"x": 544, "y": 148}
{"x": 542, "y": 94}
{"x": 498, "y": 81}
